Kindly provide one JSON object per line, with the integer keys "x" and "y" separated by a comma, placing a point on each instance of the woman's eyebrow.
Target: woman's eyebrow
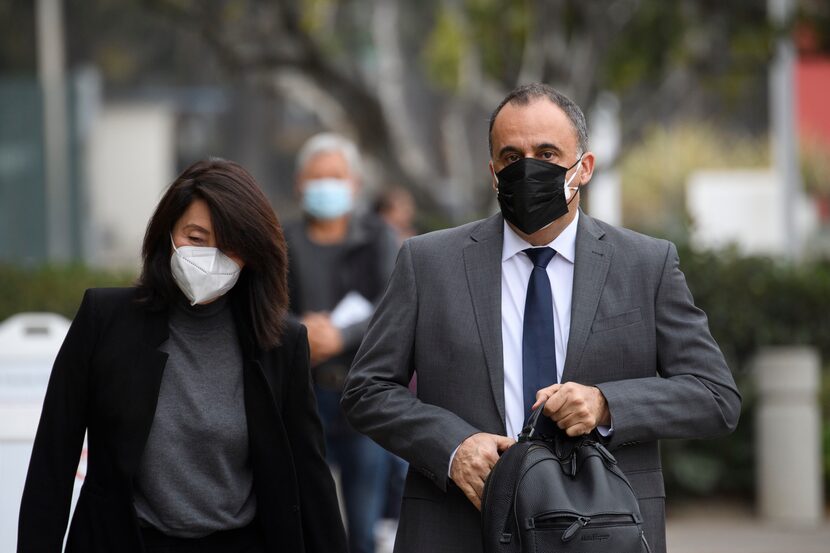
{"x": 194, "y": 226}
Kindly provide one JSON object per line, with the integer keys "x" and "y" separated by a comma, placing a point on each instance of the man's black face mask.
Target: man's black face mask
{"x": 532, "y": 193}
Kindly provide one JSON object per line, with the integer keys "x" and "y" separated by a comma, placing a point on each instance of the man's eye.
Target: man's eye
{"x": 512, "y": 158}
{"x": 547, "y": 155}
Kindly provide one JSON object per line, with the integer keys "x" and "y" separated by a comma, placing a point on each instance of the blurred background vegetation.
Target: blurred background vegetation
{"x": 414, "y": 82}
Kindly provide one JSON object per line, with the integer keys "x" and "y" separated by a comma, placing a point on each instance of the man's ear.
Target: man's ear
{"x": 493, "y": 175}
{"x": 587, "y": 170}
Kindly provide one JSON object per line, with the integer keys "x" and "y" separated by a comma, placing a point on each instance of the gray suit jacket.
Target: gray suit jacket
{"x": 635, "y": 333}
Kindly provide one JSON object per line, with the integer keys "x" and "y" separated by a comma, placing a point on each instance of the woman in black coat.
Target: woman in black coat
{"x": 194, "y": 391}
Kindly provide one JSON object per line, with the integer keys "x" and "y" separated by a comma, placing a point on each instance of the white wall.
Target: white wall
{"x": 131, "y": 158}
{"x": 744, "y": 208}
{"x": 605, "y": 199}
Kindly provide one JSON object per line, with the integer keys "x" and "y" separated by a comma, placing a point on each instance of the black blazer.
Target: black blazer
{"x": 106, "y": 381}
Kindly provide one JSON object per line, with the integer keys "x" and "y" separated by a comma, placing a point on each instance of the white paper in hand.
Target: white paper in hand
{"x": 352, "y": 309}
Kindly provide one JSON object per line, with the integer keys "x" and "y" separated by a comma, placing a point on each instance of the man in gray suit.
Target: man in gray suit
{"x": 539, "y": 303}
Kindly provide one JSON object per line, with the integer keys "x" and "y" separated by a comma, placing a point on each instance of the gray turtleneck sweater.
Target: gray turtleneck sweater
{"x": 195, "y": 474}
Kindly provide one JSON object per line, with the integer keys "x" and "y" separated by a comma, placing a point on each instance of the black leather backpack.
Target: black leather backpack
{"x": 556, "y": 494}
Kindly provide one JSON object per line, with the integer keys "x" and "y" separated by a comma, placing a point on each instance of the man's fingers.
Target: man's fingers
{"x": 478, "y": 488}
{"x": 543, "y": 394}
{"x": 568, "y": 420}
{"x": 555, "y": 402}
{"x": 471, "y": 495}
{"x": 478, "y": 485}
{"x": 578, "y": 430}
{"x": 473, "y": 487}
{"x": 570, "y": 413}
{"x": 473, "y": 462}
{"x": 504, "y": 442}
{"x": 576, "y": 426}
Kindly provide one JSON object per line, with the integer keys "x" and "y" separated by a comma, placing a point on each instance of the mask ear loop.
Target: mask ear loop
{"x": 172, "y": 243}
{"x": 570, "y": 180}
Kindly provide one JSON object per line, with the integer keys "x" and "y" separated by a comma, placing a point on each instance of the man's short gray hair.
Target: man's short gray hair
{"x": 329, "y": 142}
{"x": 524, "y": 94}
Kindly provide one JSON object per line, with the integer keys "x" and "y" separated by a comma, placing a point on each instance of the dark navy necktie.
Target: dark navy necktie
{"x": 538, "y": 346}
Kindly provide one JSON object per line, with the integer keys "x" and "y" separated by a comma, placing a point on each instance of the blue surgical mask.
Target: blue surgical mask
{"x": 327, "y": 198}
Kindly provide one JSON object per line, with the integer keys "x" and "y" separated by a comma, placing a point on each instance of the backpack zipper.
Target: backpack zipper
{"x": 571, "y": 523}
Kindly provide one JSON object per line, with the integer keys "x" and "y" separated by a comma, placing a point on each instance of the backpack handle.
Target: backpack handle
{"x": 529, "y": 429}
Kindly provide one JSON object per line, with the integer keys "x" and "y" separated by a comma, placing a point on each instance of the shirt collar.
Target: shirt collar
{"x": 564, "y": 244}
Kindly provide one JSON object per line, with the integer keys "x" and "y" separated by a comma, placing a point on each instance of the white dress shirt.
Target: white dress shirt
{"x": 515, "y": 274}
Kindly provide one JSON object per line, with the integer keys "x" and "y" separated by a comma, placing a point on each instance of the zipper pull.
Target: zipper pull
{"x": 578, "y": 525}
{"x": 606, "y": 454}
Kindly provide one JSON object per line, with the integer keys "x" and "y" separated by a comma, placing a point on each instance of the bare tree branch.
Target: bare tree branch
{"x": 391, "y": 86}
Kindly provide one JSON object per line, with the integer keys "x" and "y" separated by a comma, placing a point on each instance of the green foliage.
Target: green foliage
{"x": 751, "y": 302}
{"x": 726, "y": 43}
{"x": 444, "y": 50}
{"x": 654, "y": 37}
{"x": 51, "y": 288}
{"x": 315, "y": 15}
{"x": 499, "y": 30}
{"x": 756, "y": 301}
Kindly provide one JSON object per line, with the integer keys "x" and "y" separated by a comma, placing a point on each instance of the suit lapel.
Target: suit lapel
{"x": 482, "y": 262}
{"x": 591, "y": 262}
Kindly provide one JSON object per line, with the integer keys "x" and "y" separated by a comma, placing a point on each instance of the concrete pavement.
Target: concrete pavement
{"x": 728, "y": 528}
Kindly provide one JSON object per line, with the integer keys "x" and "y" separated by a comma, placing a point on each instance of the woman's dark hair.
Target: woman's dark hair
{"x": 243, "y": 224}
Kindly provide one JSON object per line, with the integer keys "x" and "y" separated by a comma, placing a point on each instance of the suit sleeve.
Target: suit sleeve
{"x": 320, "y": 512}
{"x": 694, "y": 395}
{"x": 376, "y": 397}
{"x": 47, "y": 495}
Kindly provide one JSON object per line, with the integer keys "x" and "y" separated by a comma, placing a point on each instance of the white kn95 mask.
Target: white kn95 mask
{"x": 203, "y": 273}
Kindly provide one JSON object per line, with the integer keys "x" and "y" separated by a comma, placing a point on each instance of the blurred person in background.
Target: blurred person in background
{"x": 194, "y": 388}
{"x": 339, "y": 265}
{"x": 538, "y": 304}
{"x": 396, "y": 206}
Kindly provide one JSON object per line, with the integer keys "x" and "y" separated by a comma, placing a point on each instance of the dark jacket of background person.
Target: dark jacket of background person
{"x": 367, "y": 258}
{"x": 106, "y": 379}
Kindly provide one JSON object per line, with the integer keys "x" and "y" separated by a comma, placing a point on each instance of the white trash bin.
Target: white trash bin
{"x": 29, "y": 343}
